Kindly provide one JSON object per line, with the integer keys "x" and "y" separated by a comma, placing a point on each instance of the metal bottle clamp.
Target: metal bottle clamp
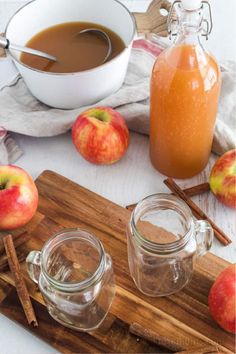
{"x": 171, "y": 20}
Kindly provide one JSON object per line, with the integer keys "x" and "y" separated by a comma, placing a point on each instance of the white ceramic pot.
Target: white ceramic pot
{"x": 72, "y": 90}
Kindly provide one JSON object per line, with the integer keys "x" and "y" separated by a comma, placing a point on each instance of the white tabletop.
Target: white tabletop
{"x": 127, "y": 181}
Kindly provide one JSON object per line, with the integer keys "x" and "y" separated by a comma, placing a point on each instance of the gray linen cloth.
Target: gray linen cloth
{"x": 21, "y": 113}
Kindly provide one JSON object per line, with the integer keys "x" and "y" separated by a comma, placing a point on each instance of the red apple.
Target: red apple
{"x": 101, "y": 135}
{"x": 222, "y": 299}
{"x": 18, "y": 197}
{"x": 223, "y": 179}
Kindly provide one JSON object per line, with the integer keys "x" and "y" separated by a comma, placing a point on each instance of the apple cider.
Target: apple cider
{"x": 185, "y": 88}
{"x": 75, "y": 52}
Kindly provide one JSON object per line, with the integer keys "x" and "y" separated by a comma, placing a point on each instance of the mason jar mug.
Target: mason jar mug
{"x": 163, "y": 242}
{"x": 75, "y": 277}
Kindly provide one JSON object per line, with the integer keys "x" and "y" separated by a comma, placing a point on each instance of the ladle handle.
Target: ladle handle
{"x": 32, "y": 51}
{"x": 5, "y": 43}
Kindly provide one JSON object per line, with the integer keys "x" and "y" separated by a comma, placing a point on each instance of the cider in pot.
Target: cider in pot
{"x": 75, "y": 52}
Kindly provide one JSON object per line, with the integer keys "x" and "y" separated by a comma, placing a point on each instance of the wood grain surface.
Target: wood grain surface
{"x": 152, "y": 21}
{"x": 183, "y": 317}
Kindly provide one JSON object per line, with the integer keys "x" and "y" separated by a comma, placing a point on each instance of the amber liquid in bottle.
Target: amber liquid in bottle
{"x": 185, "y": 87}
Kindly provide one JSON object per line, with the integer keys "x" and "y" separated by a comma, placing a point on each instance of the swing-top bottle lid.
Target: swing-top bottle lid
{"x": 191, "y": 5}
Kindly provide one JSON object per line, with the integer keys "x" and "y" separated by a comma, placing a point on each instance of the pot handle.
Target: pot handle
{"x": 204, "y": 236}
{"x": 33, "y": 264}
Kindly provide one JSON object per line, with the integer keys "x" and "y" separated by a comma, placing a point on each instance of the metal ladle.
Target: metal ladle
{"x": 102, "y": 34}
{"x": 5, "y": 44}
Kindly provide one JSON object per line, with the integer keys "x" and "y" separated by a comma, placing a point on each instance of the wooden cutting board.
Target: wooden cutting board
{"x": 182, "y": 318}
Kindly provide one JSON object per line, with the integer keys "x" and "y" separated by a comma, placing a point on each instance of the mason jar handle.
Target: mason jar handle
{"x": 33, "y": 264}
{"x": 109, "y": 263}
{"x": 204, "y": 236}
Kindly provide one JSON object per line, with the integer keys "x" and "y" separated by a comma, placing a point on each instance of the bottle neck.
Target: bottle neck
{"x": 189, "y": 26}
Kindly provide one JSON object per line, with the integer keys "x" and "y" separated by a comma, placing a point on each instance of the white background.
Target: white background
{"x": 127, "y": 181}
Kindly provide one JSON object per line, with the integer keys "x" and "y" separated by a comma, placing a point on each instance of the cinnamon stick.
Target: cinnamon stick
{"x": 18, "y": 240}
{"x": 198, "y": 189}
{"x": 4, "y": 260}
{"x": 191, "y": 192}
{"x": 153, "y": 337}
{"x": 2, "y": 248}
{"x": 19, "y": 280}
{"x": 197, "y": 212}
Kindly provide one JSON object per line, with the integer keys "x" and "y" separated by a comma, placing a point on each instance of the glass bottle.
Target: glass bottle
{"x": 75, "y": 277}
{"x": 164, "y": 240}
{"x": 185, "y": 87}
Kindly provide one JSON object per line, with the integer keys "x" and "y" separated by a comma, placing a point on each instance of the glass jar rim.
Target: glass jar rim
{"x": 78, "y": 285}
{"x": 163, "y": 248}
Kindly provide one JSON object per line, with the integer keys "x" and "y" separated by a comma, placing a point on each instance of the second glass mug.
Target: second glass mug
{"x": 75, "y": 277}
{"x": 163, "y": 242}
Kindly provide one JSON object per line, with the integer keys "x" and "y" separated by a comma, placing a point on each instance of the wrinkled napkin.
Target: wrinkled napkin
{"x": 21, "y": 113}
